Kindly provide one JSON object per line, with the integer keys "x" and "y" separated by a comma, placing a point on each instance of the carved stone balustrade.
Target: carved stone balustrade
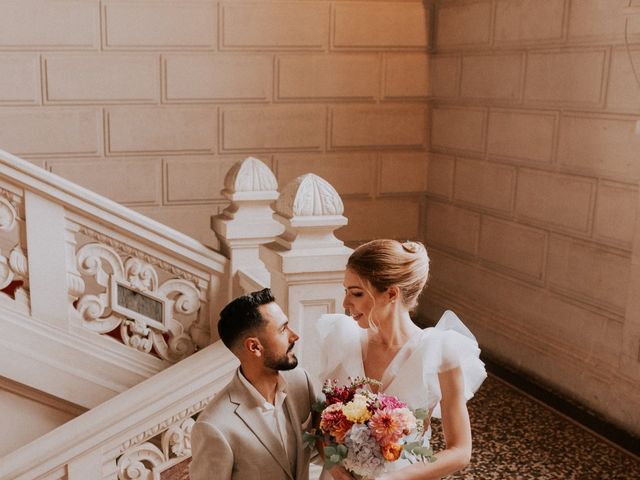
{"x": 248, "y": 221}
{"x": 307, "y": 261}
{"x": 98, "y": 296}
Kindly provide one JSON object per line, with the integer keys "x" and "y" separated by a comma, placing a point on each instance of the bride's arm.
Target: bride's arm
{"x": 457, "y": 434}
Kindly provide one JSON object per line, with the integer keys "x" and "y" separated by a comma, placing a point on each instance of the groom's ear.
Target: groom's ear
{"x": 253, "y": 346}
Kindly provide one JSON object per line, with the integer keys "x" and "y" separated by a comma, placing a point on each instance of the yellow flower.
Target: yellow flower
{"x": 356, "y": 410}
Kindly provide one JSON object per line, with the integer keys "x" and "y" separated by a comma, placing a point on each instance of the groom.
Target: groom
{"x": 253, "y": 428}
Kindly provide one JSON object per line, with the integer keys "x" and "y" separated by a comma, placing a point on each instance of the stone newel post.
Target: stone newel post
{"x": 307, "y": 261}
{"x": 247, "y": 222}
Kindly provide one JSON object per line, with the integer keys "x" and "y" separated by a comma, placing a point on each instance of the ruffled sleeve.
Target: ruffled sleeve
{"x": 452, "y": 345}
{"x": 338, "y": 341}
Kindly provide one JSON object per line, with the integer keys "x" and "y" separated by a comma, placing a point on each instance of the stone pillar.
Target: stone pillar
{"x": 247, "y": 222}
{"x": 307, "y": 261}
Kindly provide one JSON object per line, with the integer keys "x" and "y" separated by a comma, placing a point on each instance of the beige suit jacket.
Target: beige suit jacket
{"x": 231, "y": 440}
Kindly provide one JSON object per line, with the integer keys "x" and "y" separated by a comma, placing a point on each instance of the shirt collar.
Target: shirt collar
{"x": 281, "y": 392}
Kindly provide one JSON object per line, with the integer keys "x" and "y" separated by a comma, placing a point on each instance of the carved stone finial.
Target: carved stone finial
{"x": 310, "y": 210}
{"x": 250, "y": 175}
{"x": 309, "y": 195}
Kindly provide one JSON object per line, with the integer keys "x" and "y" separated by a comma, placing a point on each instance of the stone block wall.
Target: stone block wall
{"x": 533, "y": 188}
{"x": 150, "y": 101}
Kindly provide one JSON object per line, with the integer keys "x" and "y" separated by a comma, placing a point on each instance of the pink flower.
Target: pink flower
{"x": 386, "y": 427}
{"x": 389, "y": 402}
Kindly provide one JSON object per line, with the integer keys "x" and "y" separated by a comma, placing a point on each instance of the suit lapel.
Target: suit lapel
{"x": 250, "y": 414}
{"x": 295, "y": 422}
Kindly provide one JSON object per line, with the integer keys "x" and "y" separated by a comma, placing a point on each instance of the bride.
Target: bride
{"x": 437, "y": 369}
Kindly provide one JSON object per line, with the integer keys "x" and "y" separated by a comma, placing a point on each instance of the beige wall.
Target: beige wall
{"x": 27, "y": 414}
{"x": 533, "y": 189}
{"x": 150, "y": 102}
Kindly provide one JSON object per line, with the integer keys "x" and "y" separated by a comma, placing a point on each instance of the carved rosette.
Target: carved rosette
{"x": 147, "y": 460}
{"x": 132, "y": 298}
{"x": 13, "y": 258}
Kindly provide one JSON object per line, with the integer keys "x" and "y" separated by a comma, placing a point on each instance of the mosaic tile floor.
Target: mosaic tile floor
{"x": 517, "y": 438}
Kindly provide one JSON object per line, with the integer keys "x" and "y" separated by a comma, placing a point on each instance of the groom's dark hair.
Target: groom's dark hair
{"x": 242, "y": 316}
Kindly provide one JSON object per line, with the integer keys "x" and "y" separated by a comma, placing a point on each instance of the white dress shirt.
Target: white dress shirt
{"x": 276, "y": 416}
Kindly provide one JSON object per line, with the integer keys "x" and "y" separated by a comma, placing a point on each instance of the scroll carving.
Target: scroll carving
{"x": 14, "y": 272}
{"x": 128, "y": 293}
{"x": 149, "y": 459}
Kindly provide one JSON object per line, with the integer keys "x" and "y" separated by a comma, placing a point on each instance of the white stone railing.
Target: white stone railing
{"x": 135, "y": 435}
{"x": 84, "y": 278}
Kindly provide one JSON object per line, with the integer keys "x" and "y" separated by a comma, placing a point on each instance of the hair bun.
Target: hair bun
{"x": 411, "y": 247}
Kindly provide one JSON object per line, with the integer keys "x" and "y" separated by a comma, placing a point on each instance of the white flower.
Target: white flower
{"x": 364, "y": 456}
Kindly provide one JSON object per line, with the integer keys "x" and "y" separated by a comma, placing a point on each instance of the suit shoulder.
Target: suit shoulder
{"x": 296, "y": 376}
{"x": 218, "y": 408}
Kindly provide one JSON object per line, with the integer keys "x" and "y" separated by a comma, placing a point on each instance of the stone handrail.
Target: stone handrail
{"x": 118, "y": 439}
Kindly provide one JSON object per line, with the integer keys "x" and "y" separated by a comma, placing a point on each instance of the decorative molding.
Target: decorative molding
{"x": 146, "y": 460}
{"x": 164, "y": 425}
{"x": 133, "y": 299}
{"x": 125, "y": 249}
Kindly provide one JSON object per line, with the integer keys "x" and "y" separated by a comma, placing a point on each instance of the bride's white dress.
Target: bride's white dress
{"x": 412, "y": 375}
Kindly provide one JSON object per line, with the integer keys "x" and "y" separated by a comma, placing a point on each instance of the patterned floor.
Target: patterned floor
{"x": 517, "y": 438}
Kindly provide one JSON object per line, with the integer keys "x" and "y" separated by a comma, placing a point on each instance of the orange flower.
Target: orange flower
{"x": 392, "y": 451}
{"x": 339, "y": 430}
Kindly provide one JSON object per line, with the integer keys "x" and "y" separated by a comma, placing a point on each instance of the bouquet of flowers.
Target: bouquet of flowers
{"x": 365, "y": 431}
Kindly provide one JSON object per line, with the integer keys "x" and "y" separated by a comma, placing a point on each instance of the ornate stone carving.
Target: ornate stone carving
{"x": 310, "y": 210}
{"x": 8, "y": 215}
{"x": 309, "y": 195}
{"x": 178, "y": 418}
{"x": 127, "y": 250}
{"x": 142, "y": 462}
{"x": 130, "y": 296}
{"x": 176, "y": 441}
{"x": 13, "y": 259}
{"x": 141, "y": 458}
{"x": 250, "y": 175}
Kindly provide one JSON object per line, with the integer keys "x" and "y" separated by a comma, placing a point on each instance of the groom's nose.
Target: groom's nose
{"x": 293, "y": 337}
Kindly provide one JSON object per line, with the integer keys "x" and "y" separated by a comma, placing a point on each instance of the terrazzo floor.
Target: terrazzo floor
{"x": 517, "y": 438}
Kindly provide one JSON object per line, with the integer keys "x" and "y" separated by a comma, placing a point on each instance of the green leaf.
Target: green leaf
{"x": 421, "y": 413}
{"x": 318, "y": 406}
{"x": 330, "y": 450}
{"x": 310, "y": 439}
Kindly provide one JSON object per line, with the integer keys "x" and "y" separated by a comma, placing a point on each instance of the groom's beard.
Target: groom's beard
{"x": 288, "y": 361}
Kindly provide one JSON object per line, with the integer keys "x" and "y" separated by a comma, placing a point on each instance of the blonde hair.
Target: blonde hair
{"x": 387, "y": 263}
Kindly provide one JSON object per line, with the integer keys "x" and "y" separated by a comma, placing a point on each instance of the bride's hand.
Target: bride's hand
{"x": 340, "y": 473}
